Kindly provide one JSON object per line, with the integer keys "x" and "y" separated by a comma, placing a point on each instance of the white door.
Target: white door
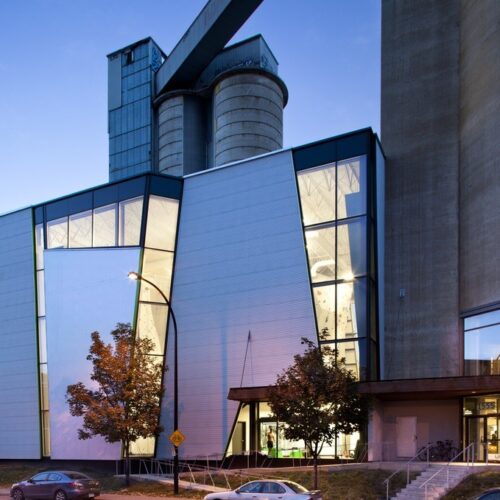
{"x": 406, "y": 436}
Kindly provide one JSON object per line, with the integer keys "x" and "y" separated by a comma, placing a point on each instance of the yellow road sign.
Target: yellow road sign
{"x": 177, "y": 438}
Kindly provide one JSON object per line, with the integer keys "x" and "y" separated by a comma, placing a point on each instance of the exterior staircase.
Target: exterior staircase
{"x": 445, "y": 478}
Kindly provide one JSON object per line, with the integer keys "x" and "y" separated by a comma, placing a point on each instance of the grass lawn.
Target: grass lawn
{"x": 355, "y": 484}
{"x": 473, "y": 485}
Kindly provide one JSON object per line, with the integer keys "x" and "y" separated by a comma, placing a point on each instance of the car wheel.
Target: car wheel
{"x": 60, "y": 495}
{"x": 17, "y": 494}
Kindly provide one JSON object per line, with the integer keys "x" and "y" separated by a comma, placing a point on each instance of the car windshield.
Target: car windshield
{"x": 76, "y": 475}
{"x": 296, "y": 488}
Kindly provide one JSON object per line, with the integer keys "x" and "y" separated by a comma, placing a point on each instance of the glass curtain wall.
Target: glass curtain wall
{"x": 157, "y": 267}
{"x": 42, "y": 340}
{"x": 334, "y": 209}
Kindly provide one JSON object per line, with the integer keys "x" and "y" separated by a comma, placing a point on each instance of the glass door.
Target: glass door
{"x": 492, "y": 437}
{"x": 475, "y": 433}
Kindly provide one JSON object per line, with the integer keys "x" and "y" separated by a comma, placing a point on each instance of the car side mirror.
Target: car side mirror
{"x": 31, "y": 481}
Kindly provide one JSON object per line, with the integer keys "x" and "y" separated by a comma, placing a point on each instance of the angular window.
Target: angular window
{"x": 151, "y": 323}
{"x": 130, "y": 222}
{"x": 324, "y": 303}
{"x": 351, "y": 184}
{"x": 482, "y": 344}
{"x": 39, "y": 245}
{"x": 317, "y": 194}
{"x": 162, "y": 223}
{"x": 104, "y": 230}
{"x": 40, "y": 286}
{"x": 80, "y": 230}
{"x": 42, "y": 340}
{"x": 351, "y": 310}
{"x": 157, "y": 267}
{"x": 321, "y": 253}
{"x": 57, "y": 233}
{"x": 355, "y": 360}
{"x": 351, "y": 249}
{"x": 44, "y": 387}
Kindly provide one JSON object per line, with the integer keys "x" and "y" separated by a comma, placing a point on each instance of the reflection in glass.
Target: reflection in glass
{"x": 40, "y": 288}
{"x": 351, "y": 310}
{"x": 162, "y": 223}
{"x": 157, "y": 267}
{"x": 321, "y": 253}
{"x": 80, "y": 230}
{"x": 351, "y": 183}
{"x": 151, "y": 323}
{"x": 130, "y": 222}
{"x": 46, "y": 433}
{"x": 143, "y": 446}
{"x": 44, "y": 387}
{"x": 57, "y": 233}
{"x": 482, "y": 351}
{"x": 42, "y": 340}
{"x": 104, "y": 231}
{"x": 324, "y": 303}
{"x": 39, "y": 245}
{"x": 351, "y": 353}
{"x": 351, "y": 249}
{"x": 480, "y": 320}
{"x": 317, "y": 194}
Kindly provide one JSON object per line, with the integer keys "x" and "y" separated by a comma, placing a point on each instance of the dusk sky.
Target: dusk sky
{"x": 53, "y": 78}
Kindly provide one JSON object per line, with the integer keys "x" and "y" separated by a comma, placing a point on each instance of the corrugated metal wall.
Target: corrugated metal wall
{"x": 19, "y": 408}
{"x": 241, "y": 266}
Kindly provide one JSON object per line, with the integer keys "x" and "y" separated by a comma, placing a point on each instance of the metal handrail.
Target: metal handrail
{"x": 407, "y": 467}
{"x": 468, "y": 454}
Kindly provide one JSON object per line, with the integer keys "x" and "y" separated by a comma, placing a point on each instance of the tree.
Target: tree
{"x": 124, "y": 403}
{"x": 315, "y": 399}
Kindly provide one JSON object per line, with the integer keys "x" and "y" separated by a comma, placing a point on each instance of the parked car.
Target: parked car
{"x": 493, "y": 494}
{"x": 57, "y": 485}
{"x": 267, "y": 489}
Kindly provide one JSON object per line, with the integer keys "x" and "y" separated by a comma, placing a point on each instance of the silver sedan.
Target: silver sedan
{"x": 267, "y": 489}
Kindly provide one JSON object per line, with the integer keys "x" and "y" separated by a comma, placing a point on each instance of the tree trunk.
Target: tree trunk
{"x": 315, "y": 472}
{"x": 127, "y": 465}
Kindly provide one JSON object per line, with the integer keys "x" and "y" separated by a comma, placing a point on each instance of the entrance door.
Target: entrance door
{"x": 483, "y": 431}
{"x": 239, "y": 438}
{"x": 406, "y": 437}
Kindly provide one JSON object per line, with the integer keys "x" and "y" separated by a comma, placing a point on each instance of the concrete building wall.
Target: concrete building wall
{"x": 248, "y": 117}
{"x": 479, "y": 153}
{"x": 435, "y": 420}
{"x": 240, "y": 267}
{"x": 420, "y": 120}
{"x": 19, "y": 395}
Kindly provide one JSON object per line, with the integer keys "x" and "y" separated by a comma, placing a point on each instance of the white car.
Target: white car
{"x": 267, "y": 489}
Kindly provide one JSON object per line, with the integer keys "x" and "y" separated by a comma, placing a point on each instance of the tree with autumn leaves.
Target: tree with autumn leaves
{"x": 123, "y": 404}
{"x": 315, "y": 399}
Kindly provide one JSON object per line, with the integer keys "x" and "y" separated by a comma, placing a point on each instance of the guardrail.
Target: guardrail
{"x": 469, "y": 456}
{"x": 407, "y": 467}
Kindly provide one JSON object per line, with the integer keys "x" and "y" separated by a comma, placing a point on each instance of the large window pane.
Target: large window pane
{"x": 80, "y": 230}
{"x": 321, "y": 254}
{"x": 44, "y": 387}
{"x": 351, "y": 249}
{"x": 151, "y": 324}
{"x": 130, "y": 222}
{"x": 46, "y": 433}
{"x": 104, "y": 232}
{"x": 351, "y": 183}
{"x": 162, "y": 223}
{"x": 157, "y": 268}
{"x": 40, "y": 288}
{"x": 351, "y": 310}
{"x": 355, "y": 357}
{"x": 324, "y": 303}
{"x": 317, "y": 194}
{"x": 39, "y": 245}
{"x": 480, "y": 320}
{"x": 482, "y": 351}
{"x": 42, "y": 340}
{"x": 57, "y": 233}
{"x": 143, "y": 447}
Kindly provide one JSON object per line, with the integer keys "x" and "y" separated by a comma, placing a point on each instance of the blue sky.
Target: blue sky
{"x": 53, "y": 78}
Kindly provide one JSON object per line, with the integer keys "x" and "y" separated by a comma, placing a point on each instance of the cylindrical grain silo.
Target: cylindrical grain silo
{"x": 171, "y": 135}
{"x": 248, "y": 115}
